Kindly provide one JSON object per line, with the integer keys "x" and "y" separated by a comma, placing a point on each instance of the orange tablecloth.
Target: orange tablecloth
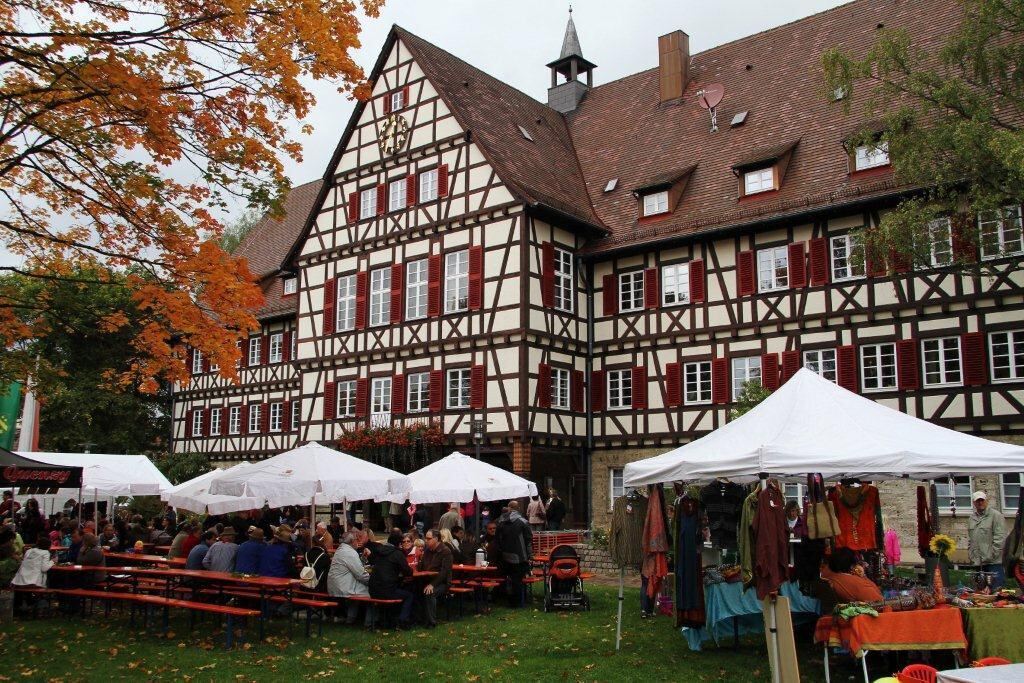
{"x": 934, "y": 629}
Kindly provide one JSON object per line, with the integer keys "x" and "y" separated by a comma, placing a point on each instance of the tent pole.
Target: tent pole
{"x": 618, "y": 621}
{"x": 96, "y": 510}
{"x": 79, "y": 504}
{"x": 476, "y": 506}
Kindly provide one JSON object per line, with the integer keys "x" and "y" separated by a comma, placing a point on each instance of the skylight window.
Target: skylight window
{"x": 739, "y": 119}
{"x": 526, "y": 133}
{"x": 612, "y": 184}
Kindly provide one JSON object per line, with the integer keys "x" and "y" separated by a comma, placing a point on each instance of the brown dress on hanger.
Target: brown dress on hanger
{"x": 771, "y": 554}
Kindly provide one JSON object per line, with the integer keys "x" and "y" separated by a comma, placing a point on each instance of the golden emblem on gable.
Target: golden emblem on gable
{"x": 394, "y": 133}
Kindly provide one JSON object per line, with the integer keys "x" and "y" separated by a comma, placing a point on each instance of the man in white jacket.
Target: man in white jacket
{"x": 347, "y": 575}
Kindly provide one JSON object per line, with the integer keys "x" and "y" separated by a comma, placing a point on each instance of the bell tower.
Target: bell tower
{"x": 571, "y": 66}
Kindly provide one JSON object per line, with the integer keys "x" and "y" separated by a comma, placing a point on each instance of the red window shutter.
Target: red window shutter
{"x": 243, "y": 354}
{"x": 410, "y": 190}
{"x": 434, "y": 286}
{"x": 398, "y": 394}
{"x": 387, "y": 103}
{"x": 577, "y": 391}
{"x": 476, "y": 278}
{"x": 286, "y": 416}
{"x": 397, "y": 287}
{"x": 243, "y": 419}
{"x": 206, "y": 422}
{"x": 330, "y": 400}
{"x": 818, "y": 248}
{"x": 477, "y": 387}
{"x": 330, "y": 301}
{"x": 963, "y": 230}
{"x": 907, "y": 374}
{"x": 362, "y": 279}
{"x": 547, "y": 274}
{"x": 720, "y": 380}
{"x": 846, "y": 366}
{"x": 972, "y": 346}
{"x": 206, "y": 364}
{"x": 188, "y": 423}
{"x": 353, "y": 207}
{"x": 442, "y": 180}
{"x": 265, "y": 418}
{"x": 436, "y": 391}
{"x": 797, "y": 265}
{"x": 639, "y": 387}
{"x": 651, "y": 293}
{"x": 405, "y": 96}
{"x": 544, "y": 385}
{"x": 745, "y": 273}
{"x": 698, "y": 291}
{"x": 875, "y": 265}
{"x": 286, "y": 347}
{"x": 382, "y": 199}
{"x": 362, "y": 397}
{"x": 770, "y": 371}
{"x": 673, "y": 388}
{"x": 598, "y": 389}
{"x": 900, "y": 261}
{"x": 790, "y": 364}
{"x": 190, "y": 357}
{"x": 265, "y": 349}
{"x": 610, "y": 291}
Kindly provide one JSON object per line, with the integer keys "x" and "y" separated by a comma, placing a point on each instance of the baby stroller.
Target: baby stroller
{"x": 564, "y": 584}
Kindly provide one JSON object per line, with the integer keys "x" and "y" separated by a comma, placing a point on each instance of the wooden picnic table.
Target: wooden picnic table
{"x": 162, "y": 549}
{"x": 146, "y": 559}
{"x": 473, "y": 569}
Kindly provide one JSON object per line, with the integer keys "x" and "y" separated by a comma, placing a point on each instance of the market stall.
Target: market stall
{"x": 30, "y": 476}
{"x": 457, "y": 478}
{"x": 194, "y": 495}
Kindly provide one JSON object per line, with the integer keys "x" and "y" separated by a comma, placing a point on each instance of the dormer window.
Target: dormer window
{"x": 871, "y": 156}
{"x": 660, "y": 194}
{"x": 764, "y": 170}
{"x": 759, "y": 180}
{"x": 655, "y": 203}
{"x": 291, "y": 285}
{"x": 397, "y": 100}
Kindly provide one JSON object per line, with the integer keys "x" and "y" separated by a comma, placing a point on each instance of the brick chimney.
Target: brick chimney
{"x": 673, "y": 64}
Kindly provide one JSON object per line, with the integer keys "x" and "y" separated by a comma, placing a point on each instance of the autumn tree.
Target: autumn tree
{"x": 952, "y": 122}
{"x": 126, "y": 126}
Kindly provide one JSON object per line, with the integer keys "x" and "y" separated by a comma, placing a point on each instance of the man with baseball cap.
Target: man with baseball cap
{"x": 986, "y": 531}
{"x": 221, "y": 555}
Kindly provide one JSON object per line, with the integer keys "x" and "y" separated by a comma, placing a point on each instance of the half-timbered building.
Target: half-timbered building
{"x": 594, "y": 278}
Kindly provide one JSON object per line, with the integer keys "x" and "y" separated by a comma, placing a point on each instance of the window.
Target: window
{"x": 416, "y": 290}
{"x": 559, "y": 388}
{"x": 276, "y": 416}
{"x": 458, "y": 388}
{"x": 380, "y": 296}
{"x": 296, "y": 414}
{"x": 276, "y": 346}
{"x": 847, "y": 257}
{"x": 871, "y": 156}
{"x": 397, "y": 100}
{"x": 744, "y": 370}
{"x": 254, "y": 350}
{"x": 697, "y": 383}
{"x": 1007, "y": 350}
{"x": 794, "y": 492}
{"x": 941, "y": 361}
{"x": 419, "y": 392}
{"x": 620, "y": 388}
{"x": 428, "y": 185}
{"x": 563, "y": 280}
{"x": 396, "y": 195}
{"x": 346, "y": 307}
{"x": 291, "y": 285}
{"x": 772, "y": 269}
{"x": 197, "y": 361}
{"x": 380, "y": 396}
{"x": 234, "y": 419}
{"x": 615, "y": 490}
{"x": 760, "y": 180}
{"x": 295, "y": 345}
{"x": 878, "y": 367}
{"x": 456, "y": 281}
{"x": 655, "y": 203}
{"x": 215, "y": 422}
{"x": 254, "y": 418}
{"x": 631, "y": 291}
{"x": 961, "y": 494}
{"x": 675, "y": 284}
{"x": 822, "y": 362}
{"x": 346, "y": 398}
{"x": 197, "y": 423}
{"x": 1000, "y": 232}
{"x": 368, "y": 203}
{"x": 1010, "y": 485}
{"x": 940, "y": 243}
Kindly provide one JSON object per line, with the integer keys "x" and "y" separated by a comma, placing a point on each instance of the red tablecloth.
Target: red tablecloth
{"x": 934, "y": 629}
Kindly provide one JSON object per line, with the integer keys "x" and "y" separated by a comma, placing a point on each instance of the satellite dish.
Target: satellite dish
{"x": 710, "y": 95}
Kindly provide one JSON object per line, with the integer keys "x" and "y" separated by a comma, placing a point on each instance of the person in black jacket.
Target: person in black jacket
{"x": 555, "y": 511}
{"x": 515, "y": 540}
{"x": 389, "y": 568}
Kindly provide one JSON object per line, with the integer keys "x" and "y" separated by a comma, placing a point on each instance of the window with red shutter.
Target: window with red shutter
{"x": 362, "y": 397}
{"x": 387, "y": 103}
{"x": 907, "y": 374}
{"x": 477, "y": 387}
{"x": 745, "y": 273}
{"x": 770, "y": 371}
{"x": 818, "y": 248}
{"x": 651, "y": 290}
{"x": 398, "y": 394}
{"x": 576, "y": 400}
{"x": 436, "y": 391}
{"x": 434, "y": 286}
{"x": 410, "y": 190}
{"x": 382, "y": 199}
{"x": 547, "y": 274}
{"x": 673, "y": 385}
{"x": 598, "y": 389}
{"x": 330, "y": 301}
{"x": 286, "y": 347}
{"x": 405, "y": 96}
{"x": 544, "y": 385}
{"x": 353, "y": 207}
{"x": 697, "y": 287}
{"x": 361, "y": 303}
{"x": 476, "y": 278}
{"x": 610, "y": 294}
{"x": 442, "y": 180}
{"x": 797, "y": 265}
{"x": 720, "y": 380}
{"x": 790, "y": 364}
{"x": 397, "y": 287}
{"x": 973, "y": 345}
{"x": 330, "y": 400}
{"x": 846, "y": 367}
{"x": 639, "y": 387}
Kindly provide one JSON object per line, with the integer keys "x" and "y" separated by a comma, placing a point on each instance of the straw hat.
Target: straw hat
{"x": 282, "y": 533}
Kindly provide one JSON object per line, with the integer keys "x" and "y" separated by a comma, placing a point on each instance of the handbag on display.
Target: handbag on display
{"x": 822, "y": 521}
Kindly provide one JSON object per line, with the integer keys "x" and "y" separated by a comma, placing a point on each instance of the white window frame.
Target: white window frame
{"x": 346, "y": 398}
{"x": 560, "y": 388}
{"x": 759, "y": 180}
{"x": 964, "y": 489}
{"x": 368, "y": 203}
{"x": 940, "y": 242}
{"x": 749, "y": 367}
{"x": 458, "y": 388}
{"x": 234, "y": 419}
{"x": 290, "y": 285}
{"x": 698, "y": 382}
{"x": 294, "y": 351}
{"x": 418, "y": 391}
{"x": 563, "y": 280}
{"x": 675, "y": 284}
{"x": 254, "y": 418}
{"x": 417, "y": 278}
{"x": 620, "y": 389}
{"x": 345, "y": 306}
{"x": 276, "y": 347}
{"x": 935, "y": 352}
{"x": 1014, "y": 367}
{"x": 215, "y": 421}
{"x": 197, "y": 422}
{"x": 296, "y": 414}
{"x": 656, "y": 203}
{"x": 255, "y": 348}
{"x": 615, "y": 474}
{"x": 883, "y": 357}
{"x": 276, "y": 416}
{"x": 822, "y": 362}
{"x": 380, "y": 296}
{"x": 428, "y": 185}
{"x": 631, "y": 291}
{"x": 1007, "y": 215}
{"x": 1013, "y": 488}
{"x": 871, "y": 156}
{"x": 456, "y": 281}
{"x": 197, "y": 361}
{"x": 396, "y": 194}
{"x": 398, "y": 100}
{"x": 380, "y": 400}
{"x": 772, "y": 269}
{"x": 850, "y": 244}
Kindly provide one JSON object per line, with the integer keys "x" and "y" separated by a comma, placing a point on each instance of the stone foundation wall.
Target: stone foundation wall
{"x": 596, "y": 560}
{"x": 602, "y": 463}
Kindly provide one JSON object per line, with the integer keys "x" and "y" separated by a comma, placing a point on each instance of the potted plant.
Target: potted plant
{"x": 943, "y": 546}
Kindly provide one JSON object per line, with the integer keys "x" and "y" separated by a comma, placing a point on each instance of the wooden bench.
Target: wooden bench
{"x": 374, "y": 604}
{"x": 35, "y": 591}
{"x": 314, "y": 606}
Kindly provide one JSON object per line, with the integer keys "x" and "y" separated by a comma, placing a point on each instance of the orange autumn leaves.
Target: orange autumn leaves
{"x": 127, "y": 124}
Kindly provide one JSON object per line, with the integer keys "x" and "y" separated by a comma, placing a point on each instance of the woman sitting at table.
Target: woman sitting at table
{"x": 37, "y": 562}
{"x": 847, "y": 580}
{"x": 453, "y": 545}
{"x": 92, "y": 556}
{"x": 411, "y": 550}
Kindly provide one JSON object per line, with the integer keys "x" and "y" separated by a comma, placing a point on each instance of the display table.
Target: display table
{"x": 983, "y": 674}
{"x": 732, "y": 611}
{"x": 995, "y": 632}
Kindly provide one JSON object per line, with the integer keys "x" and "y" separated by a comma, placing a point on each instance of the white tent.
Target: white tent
{"x": 811, "y": 425}
{"x": 312, "y": 473}
{"x": 194, "y": 495}
{"x": 111, "y": 475}
{"x": 456, "y": 478}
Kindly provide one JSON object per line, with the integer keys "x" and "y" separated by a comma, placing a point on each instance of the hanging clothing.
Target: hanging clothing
{"x": 745, "y": 537}
{"x": 1013, "y": 547}
{"x": 655, "y": 542}
{"x": 723, "y": 503}
{"x": 892, "y": 547}
{"x": 625, "y": 540}
{"x": 859, "y": 513}
{"x": 771, "y": 562}
{"x": 924, "y": 522}
{"x": 689, "y": 572}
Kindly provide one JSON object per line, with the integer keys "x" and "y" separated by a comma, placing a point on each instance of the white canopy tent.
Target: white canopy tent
{"x": 310, "y": 474}
{"x": 194, "y": 495}
{"x": 111, "y": 475}
{"x": 812, "y": 425}
{"x": 457, "y": 477}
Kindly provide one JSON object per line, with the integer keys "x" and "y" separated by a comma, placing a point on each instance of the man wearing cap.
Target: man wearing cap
{"x": 986, "y": 531}
{"x": 247, "y": 560}
{"x": 221, "y": 555}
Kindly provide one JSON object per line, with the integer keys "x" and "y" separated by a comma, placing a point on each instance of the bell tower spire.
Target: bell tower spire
{"x": 571, "y": 65}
